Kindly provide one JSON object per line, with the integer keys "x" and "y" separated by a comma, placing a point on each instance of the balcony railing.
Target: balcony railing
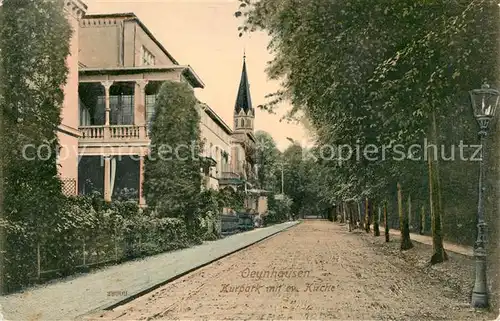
{"x": 113, "y": 132}
{"x": 228, "y": 175}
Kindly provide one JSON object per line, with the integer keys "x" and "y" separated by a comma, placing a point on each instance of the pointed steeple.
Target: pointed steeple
{"x": 243, "y": 100}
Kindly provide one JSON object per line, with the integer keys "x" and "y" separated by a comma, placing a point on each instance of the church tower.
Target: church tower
{"x": 244, "y": 114}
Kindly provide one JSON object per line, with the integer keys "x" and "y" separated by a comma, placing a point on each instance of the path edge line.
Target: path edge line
{"x": 134, "y": 296}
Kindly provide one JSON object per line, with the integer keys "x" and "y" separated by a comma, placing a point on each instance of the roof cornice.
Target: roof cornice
{"x": 130, "y": 16}
{"x": 216, "y": 118}
{"x": 76, "y": 8}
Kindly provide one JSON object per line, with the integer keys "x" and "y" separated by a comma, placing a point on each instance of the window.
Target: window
{"x": 150, "y": 108}
{"x": 99, "y": 111}
{"x": 217, "y": 170}
{"x": 85, "y": 119}
{"x": 147, "y": 58}
{"x": 242, "y": 123}
{"x": 122, "y": 110}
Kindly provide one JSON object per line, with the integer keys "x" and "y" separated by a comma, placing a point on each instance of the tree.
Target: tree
{"x": 365, "y": 73}
{"x": 406, "y": 243}
{"x": 376, "y": 228}
{"x": 172, "y": 175}
{"x": 267, "y": 161}
{"x": 386, "y": 222}
{"x": 32, "y": 75}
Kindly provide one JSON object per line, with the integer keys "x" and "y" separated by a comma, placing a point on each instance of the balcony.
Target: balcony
{"x": 229, "y": 177}
{"x": 113, "y": 133}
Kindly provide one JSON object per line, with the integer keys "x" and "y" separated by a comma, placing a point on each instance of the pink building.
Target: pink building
{"x": 116, "y": 68}
{"x": 68, "y": 133}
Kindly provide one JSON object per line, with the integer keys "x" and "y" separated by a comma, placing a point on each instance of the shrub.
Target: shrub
{"x": 172, "y": 184}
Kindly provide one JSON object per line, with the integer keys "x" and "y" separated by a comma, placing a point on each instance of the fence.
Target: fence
{"x": 69, "y": 186}
{"x": 103, "y": 247}
{"x": 236, "y": 223}
{"x": 58, "y": 256}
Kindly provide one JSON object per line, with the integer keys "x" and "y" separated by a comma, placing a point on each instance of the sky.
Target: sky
{"x": 204, "y": 34}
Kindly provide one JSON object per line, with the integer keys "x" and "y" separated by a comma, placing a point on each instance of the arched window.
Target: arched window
{"x": 242, "y": 123}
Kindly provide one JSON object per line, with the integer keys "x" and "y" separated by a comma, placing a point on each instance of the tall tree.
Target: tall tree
{"x": 32, "y": 75}
{"x": 367, "y": 73}
{"x": 172, "y": 176}
{"x": 406, "y": 243}
{"x": 267, "y": 161}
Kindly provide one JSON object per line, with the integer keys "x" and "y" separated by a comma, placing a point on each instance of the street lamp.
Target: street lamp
{"x": 484, "y": 104}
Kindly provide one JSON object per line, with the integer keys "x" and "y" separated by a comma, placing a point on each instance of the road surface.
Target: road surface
{"x": 315, "y": 270}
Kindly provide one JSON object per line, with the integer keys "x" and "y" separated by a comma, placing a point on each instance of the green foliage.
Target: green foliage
{"x": 232, "y": 199}
{"x": 267, "y": 162}
{"x": 32, "y": 74}
{"x": 279, "y": 210}
{"x": 365, "y": 72}
{"x": 210, "y": 206}
{"x": 106, "y": 232}
{"x": 172, "y": 177}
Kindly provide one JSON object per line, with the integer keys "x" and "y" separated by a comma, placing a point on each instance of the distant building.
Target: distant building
{"x": 216, "y": 135}
{"x": 243, "y": 170}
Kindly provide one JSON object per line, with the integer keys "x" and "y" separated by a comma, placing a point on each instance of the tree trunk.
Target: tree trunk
{"x": 360, "y": 223}
{"x": 435, "y": 204}
{"x": 376, "y": 229}
{"x": 367, "y": 215}
{"x": 362, "y": 213}
{"x": 386, "y": 222}
{"x": 3, "y": 231}
{"x": 334, "y": 212}
{"x": 422, "y": 220}
{"x": 341, "y": 210}
{"x": 344, "y": 212}
{"x": 352, "y": 217}
{"x": 409, "y": 213}
{"x": 406, "y": 243}
{"x": 349, "y": 216}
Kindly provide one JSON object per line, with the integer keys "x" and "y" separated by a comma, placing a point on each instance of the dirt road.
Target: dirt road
{"x": 316, "y": 270}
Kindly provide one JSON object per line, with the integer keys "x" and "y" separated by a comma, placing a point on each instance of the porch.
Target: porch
{"x": 116, "y": 105}
{"x": 116, "y": 177}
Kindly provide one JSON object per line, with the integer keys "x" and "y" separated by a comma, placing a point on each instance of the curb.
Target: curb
{"x": 459, "y": 249}
{"x": 108, "y": 307}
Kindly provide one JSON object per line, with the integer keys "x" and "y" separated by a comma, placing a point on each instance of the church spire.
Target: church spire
{"x": 243, "y": 100}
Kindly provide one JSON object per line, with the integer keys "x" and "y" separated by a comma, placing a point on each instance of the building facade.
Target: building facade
{"x": 243, "y": 149}
{"x": 116, "y": 68}
{"x": 122, "y": 67}
{"x": 68, "y": 132}
{"x": 216, "y": 136}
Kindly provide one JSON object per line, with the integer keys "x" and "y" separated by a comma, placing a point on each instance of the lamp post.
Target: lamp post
{"x": 484, "y": 104}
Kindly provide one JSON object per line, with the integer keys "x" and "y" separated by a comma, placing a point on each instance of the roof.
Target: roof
{"x": 251, "y": 136}
{"x": 243, "y": 99}
{"x": 216, "y": 118}
{"x": 83, "y": 4}
{"x": 130, "y": 16}
{"x": 187, "y": 71}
